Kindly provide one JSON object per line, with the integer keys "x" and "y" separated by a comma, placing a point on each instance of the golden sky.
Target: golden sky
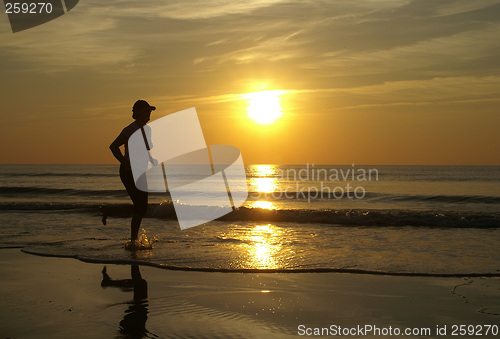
{"x": 366, "y": 81}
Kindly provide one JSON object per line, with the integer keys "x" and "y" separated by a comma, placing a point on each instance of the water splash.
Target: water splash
{"x": 142, "y": 242}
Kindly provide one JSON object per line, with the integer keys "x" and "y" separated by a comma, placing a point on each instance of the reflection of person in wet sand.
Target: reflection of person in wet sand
{"x": 141, "y": 113}
{"x": 133, "y": 324}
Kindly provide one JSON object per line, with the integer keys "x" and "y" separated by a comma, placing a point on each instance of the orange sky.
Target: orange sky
{"x": 368, "y": 82}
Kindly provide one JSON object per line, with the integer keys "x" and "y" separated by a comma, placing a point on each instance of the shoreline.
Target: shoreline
{"x": 63, "y": 297}
{"x": 90, "y": 260}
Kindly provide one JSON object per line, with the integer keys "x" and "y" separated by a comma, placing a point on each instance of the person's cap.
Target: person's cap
{"x": 142, "y": 105}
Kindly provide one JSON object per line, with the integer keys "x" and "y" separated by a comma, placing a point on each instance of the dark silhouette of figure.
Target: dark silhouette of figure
{"x": 141, "y": 113}
{"x": 133, "y": 324}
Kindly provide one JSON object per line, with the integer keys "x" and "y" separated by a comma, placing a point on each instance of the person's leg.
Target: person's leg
{"x": 124, "y": 284}
{"x": 134, "y": 227}
{"x": 139, "y": 199}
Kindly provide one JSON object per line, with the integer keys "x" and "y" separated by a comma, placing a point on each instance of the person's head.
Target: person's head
{"x": 142, "y": 111}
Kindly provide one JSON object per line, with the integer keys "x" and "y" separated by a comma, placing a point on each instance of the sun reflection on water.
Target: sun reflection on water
{"x": 266, "y": 205}
{"x": 260, "y": 246}
{"x": 264, "y": 170}
{"x": 266, "y": 244}
{"x": 264, "y": 185}
{"x": 263, "y": 178}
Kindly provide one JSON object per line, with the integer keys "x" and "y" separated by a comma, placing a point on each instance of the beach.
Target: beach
{"x": 418, "y": 253}
{"x": 63, "y": 297}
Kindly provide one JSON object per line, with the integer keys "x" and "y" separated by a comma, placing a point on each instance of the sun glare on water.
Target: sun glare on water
{"x": 264, "y": 106}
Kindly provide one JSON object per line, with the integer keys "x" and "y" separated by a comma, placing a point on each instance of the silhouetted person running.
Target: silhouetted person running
{"x": 141, "y": 113}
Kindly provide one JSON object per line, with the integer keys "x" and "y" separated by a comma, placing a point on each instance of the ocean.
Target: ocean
{"x": 401, "y": 220}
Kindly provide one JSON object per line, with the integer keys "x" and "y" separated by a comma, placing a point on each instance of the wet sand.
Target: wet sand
{"x": 62, "y": 298}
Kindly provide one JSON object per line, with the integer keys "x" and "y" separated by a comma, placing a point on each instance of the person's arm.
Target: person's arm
{"x": 149, "y": 144}
{"x": 147, "y": 130}
{"x": 115, "y": 148}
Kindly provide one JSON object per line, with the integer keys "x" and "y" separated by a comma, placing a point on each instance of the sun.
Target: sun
{"x": 264, "y": 106}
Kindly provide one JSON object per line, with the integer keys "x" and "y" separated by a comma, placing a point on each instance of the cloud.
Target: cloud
{"x": 448, "y": 90}
{"x": 466, "y": 89}
{"x": 362, "y": 42}
{"x": 410, "y": 37}
{"x": 461, "y": 6}
{"x": 194, "y": 9}
{"x": 118, "y": 33}
{"x": 270, "y": 49}
{"x": 78, "y": 39}
{"x": 442, "y": 51}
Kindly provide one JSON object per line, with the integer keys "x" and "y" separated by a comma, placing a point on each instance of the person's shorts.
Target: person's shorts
{"x": 139, "y": 198}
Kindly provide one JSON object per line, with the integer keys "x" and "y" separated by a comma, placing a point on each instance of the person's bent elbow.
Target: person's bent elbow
{"x": 113, "y": 146}
{"x": 115, "y": 149}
